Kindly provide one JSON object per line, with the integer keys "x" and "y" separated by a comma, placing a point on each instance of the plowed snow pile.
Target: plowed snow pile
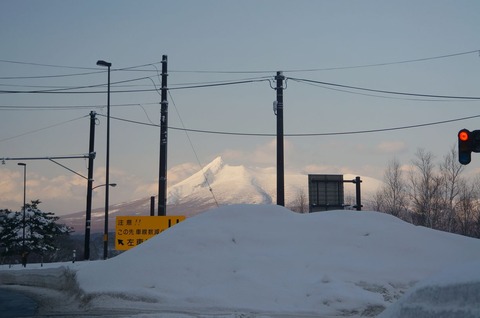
{"x": 265, "y": 258}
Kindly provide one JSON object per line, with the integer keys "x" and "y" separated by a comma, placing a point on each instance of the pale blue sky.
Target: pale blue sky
{"x": 245, "y": 36}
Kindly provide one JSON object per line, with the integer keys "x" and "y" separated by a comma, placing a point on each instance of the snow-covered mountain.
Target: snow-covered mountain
{"x": 226, "y": 184}
{"x": 238, "y": 184}
{"x": 218, "y": 183}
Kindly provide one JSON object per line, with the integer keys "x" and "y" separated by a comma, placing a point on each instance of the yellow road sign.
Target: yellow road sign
{"x": 131, "y": 231}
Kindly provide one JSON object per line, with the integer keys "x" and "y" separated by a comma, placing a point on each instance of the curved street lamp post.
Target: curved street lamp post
{"x": 87, "y": 230}
{"x": 107, "y": 176}
{"x": 24, "y": 256}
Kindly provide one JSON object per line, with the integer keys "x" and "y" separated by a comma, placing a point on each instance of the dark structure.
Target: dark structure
{"x": 325, "y": 192}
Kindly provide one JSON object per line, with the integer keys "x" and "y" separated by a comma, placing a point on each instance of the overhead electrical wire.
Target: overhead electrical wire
{"x": 377, "y": 95}
{"x": 48, "y": 76}
{"x": 65, "y": 91}
{"x": 61, "y": 89}
{"x": 194, "y": 152}
{"x": 135, "y": 68}
{"x": 69, "y": 107}
{"x": 94, "y": 70}
{"x": 40, "y": 129}
{"x": 326, "y": 68}
{"x": 385, "y": 91}
{"x": 233, "y": 82}
{"x": 300, "y": 134}
{"x": 74, "y": 67}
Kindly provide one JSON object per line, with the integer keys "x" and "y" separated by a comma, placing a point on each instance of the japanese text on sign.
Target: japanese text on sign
{"x": 134, "y": 230}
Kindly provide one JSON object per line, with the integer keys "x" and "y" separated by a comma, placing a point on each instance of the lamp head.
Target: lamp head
{"x": 21, "y": 164}
{"x": 103, "y": 63}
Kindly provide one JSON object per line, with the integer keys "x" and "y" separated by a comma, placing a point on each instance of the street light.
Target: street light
{"x": 113, "y": 185}
{"x": 107, "y": 177}
{"x": 24, "y": 207}
{"x": 87, "y": 228}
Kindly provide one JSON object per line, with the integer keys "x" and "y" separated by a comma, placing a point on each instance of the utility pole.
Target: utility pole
{"x": 91, "y": 157}
{"x": 280, "y": 162}
{"x": 162, "y": 178}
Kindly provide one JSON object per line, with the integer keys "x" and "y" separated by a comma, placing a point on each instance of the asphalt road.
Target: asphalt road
{"x": 14, "y": 304}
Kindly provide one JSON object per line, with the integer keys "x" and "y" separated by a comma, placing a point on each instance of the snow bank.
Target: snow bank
{"x": 266, "y": 258}
{"x": 454, "y": 293}
{"x": 59, "y": 278}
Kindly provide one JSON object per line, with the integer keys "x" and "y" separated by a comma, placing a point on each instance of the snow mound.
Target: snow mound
{"x": 267, "y": 258}
{"x": 454, "y": 293}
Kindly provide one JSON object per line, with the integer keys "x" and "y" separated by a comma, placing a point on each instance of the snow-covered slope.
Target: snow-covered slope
{"x": 266, "y": 258}
{"x": 453, "y": 293}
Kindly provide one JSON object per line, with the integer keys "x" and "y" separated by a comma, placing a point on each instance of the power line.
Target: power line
{"x": 376, "y": 95}
{"x": 331, "y": 68}
{"x": 194, "y": 151}
{"x": 227, "y": 83}
{"x": 48, "y": 76}
{"x": 135, "y": 68}
{"x": 54, "y": 90}
{"x": 40, "y": 129}
{"x": 46, "y": 65}
{"x": 74, "y": 67}
{"x": 65, "y": 91}
{"x": 301, "y": 134}
{"x": 94, "y": 70}
{"x": 68, "y": 107}
{"x": 384, "y": 91}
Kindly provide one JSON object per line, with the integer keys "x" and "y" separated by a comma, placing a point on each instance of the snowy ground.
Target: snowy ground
{"x": 266, "y": 261}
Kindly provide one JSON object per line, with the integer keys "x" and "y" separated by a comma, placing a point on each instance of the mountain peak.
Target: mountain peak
{"x": 214, "y": 166}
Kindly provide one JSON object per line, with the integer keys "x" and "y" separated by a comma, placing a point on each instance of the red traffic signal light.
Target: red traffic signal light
{"x": 468, "y": 142}
{"x": 463, "y": 135}
{"x": 464, "y": 147}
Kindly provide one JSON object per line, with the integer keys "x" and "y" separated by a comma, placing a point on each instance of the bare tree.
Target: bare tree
{"x": 395, "y": 189}
{"x": 451, "y": 185}
{"x": 392, "y": 197}
{"x": 425, "y": 189}
{"x": 300, "y": 204}
{"x": 437, "y": 196}
{"x": 468, "y": 208}
{"x": 378, "y": 201}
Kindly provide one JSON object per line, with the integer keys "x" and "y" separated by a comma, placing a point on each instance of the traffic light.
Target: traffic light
{"x": 468, "y": 142}
{"x": 464, "y": 147}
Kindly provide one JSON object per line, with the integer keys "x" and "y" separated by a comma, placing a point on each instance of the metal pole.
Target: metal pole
{"x": 107, "y": 177}
{"x": 91, "y": 158}
{"x": 24, "y": 201}
{"x": 358, "y": 193}
{"x": 152, "y": 206}
{"x": 280, "y": 151}
{"x": 107, "y": 164}
{"x": 162, "y": 177}
{"x": 24, "y": 207}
